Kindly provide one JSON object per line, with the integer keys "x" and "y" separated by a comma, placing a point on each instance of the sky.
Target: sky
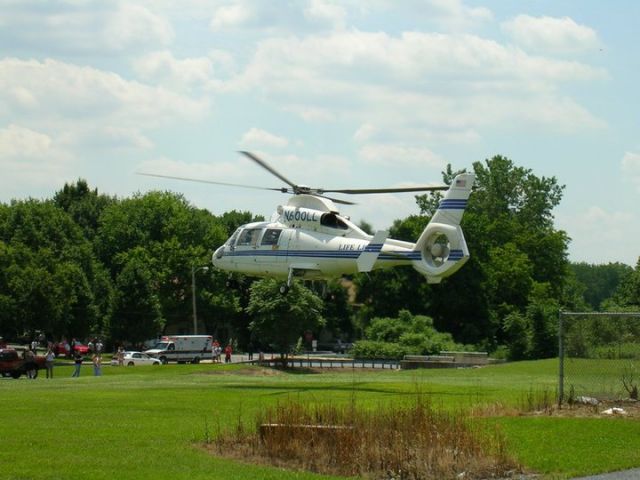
{"x": 333, "y": 94}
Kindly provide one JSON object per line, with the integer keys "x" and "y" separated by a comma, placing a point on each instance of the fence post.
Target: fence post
{"x": 561, "y": 357}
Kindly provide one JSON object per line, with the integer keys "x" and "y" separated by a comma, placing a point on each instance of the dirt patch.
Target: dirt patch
{"x": 605, "y": 409}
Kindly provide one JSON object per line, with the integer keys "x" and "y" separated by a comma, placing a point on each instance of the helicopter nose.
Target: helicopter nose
{"x": 217, "y": 255}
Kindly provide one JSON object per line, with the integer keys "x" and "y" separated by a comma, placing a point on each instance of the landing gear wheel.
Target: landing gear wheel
{"x": 284, "y": 289}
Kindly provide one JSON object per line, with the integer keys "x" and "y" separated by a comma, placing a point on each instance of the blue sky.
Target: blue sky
{"x": 334, "y": 94}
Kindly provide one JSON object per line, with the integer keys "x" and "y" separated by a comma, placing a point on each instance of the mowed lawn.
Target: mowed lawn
{"x": 147, "y": 422}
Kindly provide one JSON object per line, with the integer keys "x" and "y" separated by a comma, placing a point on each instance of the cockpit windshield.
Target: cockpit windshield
{"x": 232, "y": 239}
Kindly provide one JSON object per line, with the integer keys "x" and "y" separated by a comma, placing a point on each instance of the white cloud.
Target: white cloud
{"x": 601, "y": 236}
{"x": 17, "y": 141}
{"x": 365, "y": 132}
{"x": 108, "y": 137}
{"x": 258, "y": 16}
{"x": 232, "y": 16}
{"x": 416, "y": 80}
{"x": 163, "y": 68}
{"x": 133, "y": 24}
{"x": 631, "y": 163}
{"x": 29, "y": 158}
{"x": 551, "y": 35}
{"x": 394, "y": 155}
{"x": 262, "y": 138}
{"x": 631, "y": 167}
{"x": 323, "y": 11}
{"x": 456, "y": 15}
{"x": 62, "y": 94}
{"x": 83, "y": 27}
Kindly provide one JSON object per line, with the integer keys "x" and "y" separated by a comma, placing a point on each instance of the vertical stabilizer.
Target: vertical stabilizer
{"x": 442, "y": 245}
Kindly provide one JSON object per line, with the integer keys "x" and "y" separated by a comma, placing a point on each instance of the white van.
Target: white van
{"x": 182, "y": 348}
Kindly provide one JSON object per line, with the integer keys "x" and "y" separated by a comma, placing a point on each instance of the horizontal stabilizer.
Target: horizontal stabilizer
{"x": 368, "y": 257}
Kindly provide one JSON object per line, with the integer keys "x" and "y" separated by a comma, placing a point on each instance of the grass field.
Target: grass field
{"x": 148, "y": 422}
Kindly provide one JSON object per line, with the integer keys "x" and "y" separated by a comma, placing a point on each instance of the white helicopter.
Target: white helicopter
{"x": 308, "y": 238}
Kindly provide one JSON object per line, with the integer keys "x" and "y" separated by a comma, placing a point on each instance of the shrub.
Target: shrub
{"x": 369, "y": 349}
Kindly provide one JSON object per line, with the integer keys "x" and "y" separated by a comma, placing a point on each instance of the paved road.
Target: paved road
{"x": 624, "y": 475}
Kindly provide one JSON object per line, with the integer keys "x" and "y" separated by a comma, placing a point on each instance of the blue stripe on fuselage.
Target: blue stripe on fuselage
{"x": 454, "y": 255}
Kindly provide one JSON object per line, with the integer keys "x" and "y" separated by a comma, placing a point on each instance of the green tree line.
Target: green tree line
{"x": 85, "y": 264}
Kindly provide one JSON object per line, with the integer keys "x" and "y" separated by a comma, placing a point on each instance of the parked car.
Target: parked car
{"x": 14, "y": 364}
{"x": 63, "y": 349}
{"x": 136, "y": 358}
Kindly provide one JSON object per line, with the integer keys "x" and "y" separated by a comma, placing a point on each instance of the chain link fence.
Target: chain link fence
{"x": 599, "y": 356}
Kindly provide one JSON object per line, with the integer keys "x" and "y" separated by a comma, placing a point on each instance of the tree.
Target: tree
{"x": 234, "y": 219}
{"x": 47, "y": 266}
{"x": 137, "y": 313}
{"x": 627, "y": 295}
{"x": 83, "y": 205}
{"x": 508, "y": 225}
{"x": 279, "y": 320}
{"x": 175, "y": 236}
{"x": 600, "y": 282}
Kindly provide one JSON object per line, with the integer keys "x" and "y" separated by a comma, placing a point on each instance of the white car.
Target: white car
{"x": 136, "y": 358}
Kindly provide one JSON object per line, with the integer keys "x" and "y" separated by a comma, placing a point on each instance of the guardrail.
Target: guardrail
{"x": 326, "y": 363}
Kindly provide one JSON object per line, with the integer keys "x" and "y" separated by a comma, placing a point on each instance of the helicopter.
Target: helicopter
{"x": 308, "y": 238}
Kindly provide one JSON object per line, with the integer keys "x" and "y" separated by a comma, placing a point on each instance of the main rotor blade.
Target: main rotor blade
{"x": 283, "y": 190}
{"x": 337, "y": 200}
{"x": 268, "y": 167}
{"x": 362, "y": 191}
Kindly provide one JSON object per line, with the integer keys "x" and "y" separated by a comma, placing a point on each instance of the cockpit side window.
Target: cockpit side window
{"x": 271, "y": 236}
{"x": 249, "y": 237}
{"x": 232, "y": 239}
{"x": 332, "y": 221}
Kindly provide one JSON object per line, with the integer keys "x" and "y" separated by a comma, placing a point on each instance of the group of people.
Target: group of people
{"x": 95, "y": 346}
{"x": 216, "y": 352}
{"x": 96, "y": 360}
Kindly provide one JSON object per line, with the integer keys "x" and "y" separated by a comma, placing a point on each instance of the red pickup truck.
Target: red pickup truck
{"x": 14, "y": 363}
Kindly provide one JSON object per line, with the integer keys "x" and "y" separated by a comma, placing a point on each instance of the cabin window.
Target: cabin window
{"x": 271, "y": 236}
{"x": 331, "y": 220}
{"x": 249, "y": 237}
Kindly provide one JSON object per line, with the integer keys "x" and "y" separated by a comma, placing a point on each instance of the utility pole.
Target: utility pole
{"x": 193, "y": 295}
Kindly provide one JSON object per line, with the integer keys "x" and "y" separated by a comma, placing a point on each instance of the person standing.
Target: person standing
{"x": 97, "y": 364}
{"x": 77, "y": 363}
{"x": 228, "y": 350}
{"x": 120, "y": 356}
{"x": 48, "y": 361}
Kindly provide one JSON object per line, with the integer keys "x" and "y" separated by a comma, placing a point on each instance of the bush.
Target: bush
{"x": 374, "y": 350}
{"x": 392, "y": 338}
